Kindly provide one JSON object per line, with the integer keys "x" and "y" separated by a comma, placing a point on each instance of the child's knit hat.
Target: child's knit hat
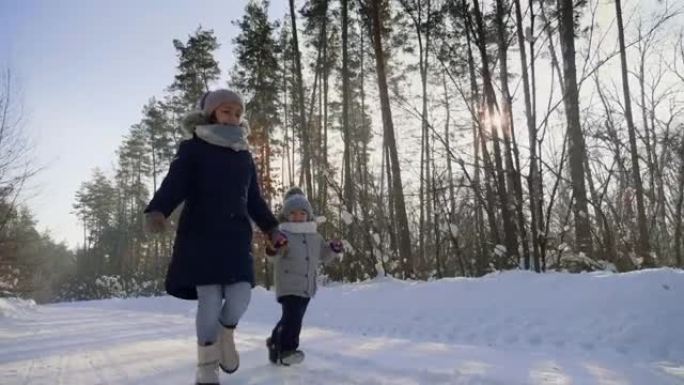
{"x": 296, "y": 200}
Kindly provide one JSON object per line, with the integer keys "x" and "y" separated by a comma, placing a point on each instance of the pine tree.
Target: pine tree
{"x": 95, "y": 206}
{"x": 256, "y": 77}
{"x": 159, "y": 139}
{"x": 132, "y": 181}
{"x": 160, "y": 145}
{"x": 197, "y": 68}
{"x": 31, "y": 264}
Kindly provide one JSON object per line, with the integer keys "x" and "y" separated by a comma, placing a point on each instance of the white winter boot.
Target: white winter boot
{"x": 229, "y": 361}
{"x": 207, "y": 365}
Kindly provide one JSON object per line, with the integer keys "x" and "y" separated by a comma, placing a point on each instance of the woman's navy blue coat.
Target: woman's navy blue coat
{"x": 214, "y": 238}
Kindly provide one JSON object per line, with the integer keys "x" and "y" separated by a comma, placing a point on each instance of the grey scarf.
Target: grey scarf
{"x": 224, "y": 135}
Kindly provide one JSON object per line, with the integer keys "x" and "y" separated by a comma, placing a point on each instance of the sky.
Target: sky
{"x": 82, "y": 71}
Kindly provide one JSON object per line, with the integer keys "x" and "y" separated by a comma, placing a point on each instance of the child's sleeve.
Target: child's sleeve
{"x": 327, "y": 254}
{"x": 174, "y": 187}
{"x": 257, "y": 207}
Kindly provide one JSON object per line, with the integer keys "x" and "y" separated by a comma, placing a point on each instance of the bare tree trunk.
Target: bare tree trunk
{"x": 532, "y": 182}
{"x": 650, "y": 166}
{"x": 311, "y": 129}
{"x": 386, "y": 172}
{"x": 431, "y": 204}
{"x": 609, "y": 251}
{"x": 450, "y": 176}
{"x": 447, "y": 145}
{"x": 323, "y": 184}
{"x": 552, "y": 49}
{"x": 348, "y": 180}
{"x": 643, "y": 246}
{"x": 153, "y": 151}
{"x": 366, "y": 201}
{"x": 85, "y": 236}
{"x": 539, "y": 191}
{"x": 510, "y": 231}
{"x": 397, "y": 186}
{"x": 417, "y": 9}
{"x": 508, "y": 130}
{"x": 479, "y": 144}
{"x": 424, "y": 52}
{"x": 577, "y": 150}
{"x": 679, "y": 206}
{"x": 287, "y": 160}
{"x": 306, "y": 161}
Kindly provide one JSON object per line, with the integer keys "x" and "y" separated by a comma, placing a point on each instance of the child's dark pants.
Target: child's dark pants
{"x": 285, "y": 335}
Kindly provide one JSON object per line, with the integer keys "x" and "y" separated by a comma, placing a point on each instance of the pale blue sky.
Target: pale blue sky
{"x": 84, "y": 70}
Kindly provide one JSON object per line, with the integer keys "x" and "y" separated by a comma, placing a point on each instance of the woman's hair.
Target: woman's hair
{"x": 212, "y": 118}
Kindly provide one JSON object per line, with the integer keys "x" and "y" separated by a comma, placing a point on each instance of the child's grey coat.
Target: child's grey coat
{"x": 296, "y": 266}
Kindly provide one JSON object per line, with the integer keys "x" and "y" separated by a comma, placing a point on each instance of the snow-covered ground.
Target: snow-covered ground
{"x": 511, "y": 328}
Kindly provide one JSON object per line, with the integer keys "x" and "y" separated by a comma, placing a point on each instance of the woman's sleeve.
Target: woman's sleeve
{"x": 174, "y": 187}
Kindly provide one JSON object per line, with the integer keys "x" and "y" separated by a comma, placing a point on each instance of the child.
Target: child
{"x": 214, "y": 174}
{"x": 295, "y": 272}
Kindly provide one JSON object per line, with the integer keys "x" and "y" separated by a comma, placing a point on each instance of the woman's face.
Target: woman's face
{"x": 228, "y": 113}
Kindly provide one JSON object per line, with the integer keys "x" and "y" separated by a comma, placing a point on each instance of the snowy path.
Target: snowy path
{"x": 151, "y": 341}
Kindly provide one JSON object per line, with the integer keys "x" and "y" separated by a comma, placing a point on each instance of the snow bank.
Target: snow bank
{"x": 637, "y": 314}
{"x": 15, "y": 307}
{"x": 632, "y": 315}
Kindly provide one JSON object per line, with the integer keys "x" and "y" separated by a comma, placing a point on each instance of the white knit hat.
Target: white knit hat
{"x": 296, "y": 200}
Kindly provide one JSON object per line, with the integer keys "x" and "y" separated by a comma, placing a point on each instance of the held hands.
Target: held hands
{"x": 271, "y": 251}
{"x": 278, "y": 241}
{"x": 155, "y": 222}
{"x": 336, "y": 246}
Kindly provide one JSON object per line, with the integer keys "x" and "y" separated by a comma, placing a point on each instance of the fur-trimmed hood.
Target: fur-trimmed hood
{"x": 198, "y": 118}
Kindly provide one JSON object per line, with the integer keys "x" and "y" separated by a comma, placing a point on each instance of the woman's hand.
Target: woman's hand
{"x": 271, "y": 251}
{"x": 155, "y": 222}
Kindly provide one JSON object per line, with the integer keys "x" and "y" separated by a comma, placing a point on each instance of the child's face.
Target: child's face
{"x": 228, "y": 113}
{"x": 297, "y": 216}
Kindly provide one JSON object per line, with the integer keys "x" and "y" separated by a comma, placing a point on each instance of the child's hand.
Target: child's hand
{"x": 155, "y": 222}
{"x": 271, "y": 251}
{"x": 278, "y": 239}
{"x": 336, "y": 246}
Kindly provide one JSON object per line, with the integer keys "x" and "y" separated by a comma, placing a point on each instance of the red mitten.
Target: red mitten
{"x": 278, "y": 239}
{"x": 336, "y": 246}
